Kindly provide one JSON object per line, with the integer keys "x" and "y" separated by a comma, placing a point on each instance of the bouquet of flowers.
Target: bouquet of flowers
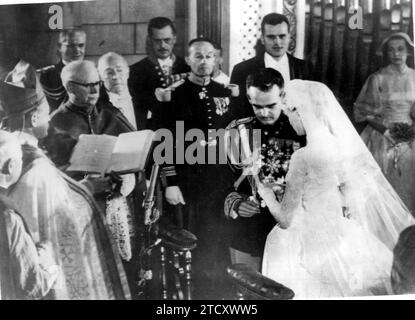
{"x": 402, "y": 133}
{"x": 275, "y": 160}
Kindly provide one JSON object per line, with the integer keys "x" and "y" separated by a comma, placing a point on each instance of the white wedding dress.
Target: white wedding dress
{"x": 327, "y": 251}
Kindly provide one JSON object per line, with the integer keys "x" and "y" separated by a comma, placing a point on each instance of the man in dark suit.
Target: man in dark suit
{"x": 275, "y": 38}
{"x": 158, "y": 70}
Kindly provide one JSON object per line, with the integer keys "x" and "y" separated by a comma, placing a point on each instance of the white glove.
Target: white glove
{"x": 174, "y": 196}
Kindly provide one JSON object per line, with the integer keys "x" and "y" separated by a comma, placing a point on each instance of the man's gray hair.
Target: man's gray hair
{"x": 108, "y": 56}
{"x": 76, "y": 70}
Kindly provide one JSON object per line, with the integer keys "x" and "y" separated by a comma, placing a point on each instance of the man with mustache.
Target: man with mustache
{"x": 158, "y": 70}
{"x": 71, "y": 47}
{"x": 275, "y": 38}
{"x": 203, "y": 104}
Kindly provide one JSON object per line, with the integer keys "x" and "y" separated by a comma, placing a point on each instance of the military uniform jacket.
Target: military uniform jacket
{"x": 278, "y": 143}
{"x": 205, "y": 108}
{"x": 50, "y": 78}
{"x": 145, "y": 76}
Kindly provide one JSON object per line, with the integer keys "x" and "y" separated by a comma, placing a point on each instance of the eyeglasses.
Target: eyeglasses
{"x": 88, "y": 85}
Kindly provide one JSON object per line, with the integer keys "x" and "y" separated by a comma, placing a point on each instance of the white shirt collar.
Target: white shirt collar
{"x": 168, "y": 62}
{"x": 124, "y": 95}
{"x": 282, "y": 65}
{"x": 124, "y": 103}
{"x": 270, "y": 58}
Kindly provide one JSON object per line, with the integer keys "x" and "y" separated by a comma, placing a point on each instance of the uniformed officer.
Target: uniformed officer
{"x": 251, "y": 221}
{"x": 200, "y": 103}
{"x": 158, "y": 70}
{"x": 71, "y": 47}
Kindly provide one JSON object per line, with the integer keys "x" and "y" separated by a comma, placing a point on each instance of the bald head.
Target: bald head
{"x": 111, "y": 58}
{"x": 81, "y": 81}
{"x": 79, "y": 71}
{"x": 197, "y": 43}
{"x": 201, "y": 57}
{"x": 10, "y": 159}
{"x": 113, "y": 70}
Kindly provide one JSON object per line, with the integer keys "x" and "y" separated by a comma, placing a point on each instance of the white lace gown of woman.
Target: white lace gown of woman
{"x": 339, "y": 218}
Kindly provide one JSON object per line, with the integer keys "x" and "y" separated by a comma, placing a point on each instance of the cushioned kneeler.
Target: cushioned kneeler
{"x": 252, "y": 285}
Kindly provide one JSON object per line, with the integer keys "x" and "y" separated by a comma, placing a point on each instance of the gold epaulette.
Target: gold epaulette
{"x": 176, "y": 84}
{"x": 237, "y": 123}
{"x": 178, "y": 77}
{"x": 45, "y": 69}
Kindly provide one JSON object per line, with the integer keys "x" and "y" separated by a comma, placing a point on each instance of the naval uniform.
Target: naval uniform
{"x": 278, "y": 143}
{"x": 205, "y": 106}
{"x": 50, "y": 79}
{"x": 145, "y": 76}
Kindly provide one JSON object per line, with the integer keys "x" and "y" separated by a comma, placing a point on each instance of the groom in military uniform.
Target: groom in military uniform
{"x": 250, "y": 219}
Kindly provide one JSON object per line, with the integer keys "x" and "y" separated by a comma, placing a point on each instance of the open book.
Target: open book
{"x": 103, "y": 153}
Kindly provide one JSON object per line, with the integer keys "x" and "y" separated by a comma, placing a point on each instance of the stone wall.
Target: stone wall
{"x": 111, "y": 25}
{"x": 121, "y": 25}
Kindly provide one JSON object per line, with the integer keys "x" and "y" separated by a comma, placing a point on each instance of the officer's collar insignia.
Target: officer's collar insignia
{"x": 200, "y": 81}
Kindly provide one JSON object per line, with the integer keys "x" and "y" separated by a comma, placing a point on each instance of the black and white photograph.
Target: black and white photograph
{"x": 218, "y": 150}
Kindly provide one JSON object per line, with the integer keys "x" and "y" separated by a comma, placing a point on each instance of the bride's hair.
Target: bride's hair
{"x": 314, "y": 101}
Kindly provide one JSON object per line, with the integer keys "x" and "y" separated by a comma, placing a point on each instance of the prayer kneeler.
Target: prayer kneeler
{"x": 176, "y": 247}
{"x": 252, "y": 285}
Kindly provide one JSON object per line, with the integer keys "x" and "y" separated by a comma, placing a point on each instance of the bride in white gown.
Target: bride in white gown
{"x": 339, "y": 219}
